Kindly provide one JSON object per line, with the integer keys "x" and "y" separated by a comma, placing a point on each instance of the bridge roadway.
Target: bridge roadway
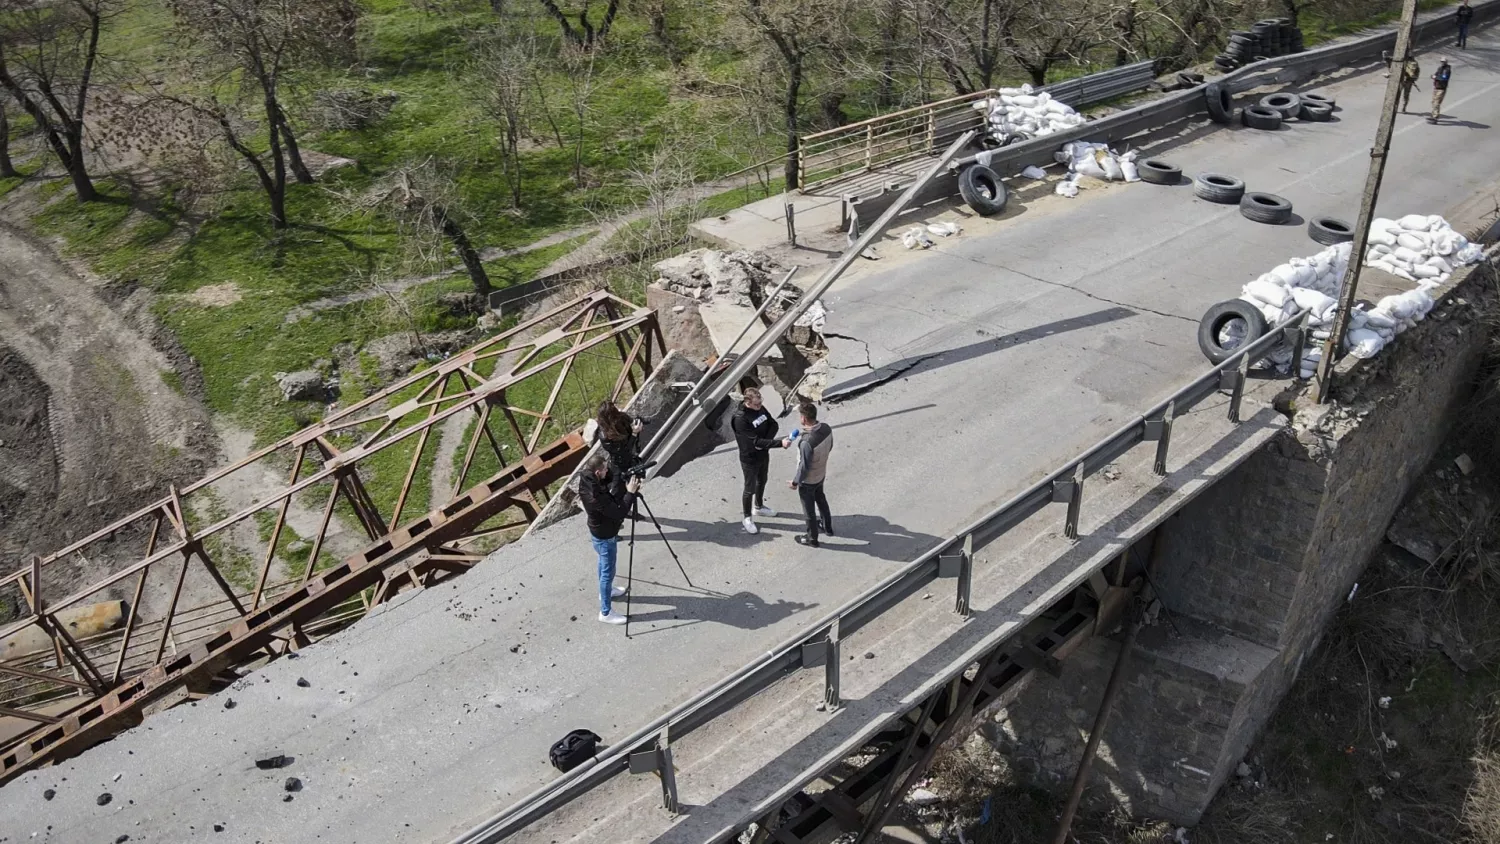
{"x": 1034, "y": 336}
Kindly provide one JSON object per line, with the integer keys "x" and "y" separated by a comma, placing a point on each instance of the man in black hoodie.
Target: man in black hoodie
{"x": 1462, "y": 16}
{"x": 607, "y": 506}
{"x": 755, "y": 432}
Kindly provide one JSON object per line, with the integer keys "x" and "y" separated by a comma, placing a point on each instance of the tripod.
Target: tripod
{"x": 635, "y": 515}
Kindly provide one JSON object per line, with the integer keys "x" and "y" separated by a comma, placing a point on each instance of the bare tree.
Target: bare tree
{"x": 7, "y": 167}
{"x": 975, "y": 38}
{"x": 262, "y": 43}
{"x": 505, "y": 70}
{"x": 428, "y": 206}
{"x": 799, "y": 32}
{"x": 586, "y": 35}
{"x": 49, "y": 53}
{"x": 580, "y": 68}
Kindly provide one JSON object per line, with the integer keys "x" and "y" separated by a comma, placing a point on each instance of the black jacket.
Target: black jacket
{"x": 755, "y": 431}
{"x": 1464, "y": 13}
{"x": 607, "y": 507}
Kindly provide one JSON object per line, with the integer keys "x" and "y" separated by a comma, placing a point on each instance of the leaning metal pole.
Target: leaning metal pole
{"x": 1378, "y": 154}
{"x": 669, "y": 442}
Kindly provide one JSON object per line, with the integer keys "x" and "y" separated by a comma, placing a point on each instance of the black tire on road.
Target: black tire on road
{"x": 1316, "y": 112}
{"x": 1220, "y": 104}
{"x": 1221, "y": 315}
{"x": 1265, "y": 208}
{"x": 982, "y": 189}
{"x": 1318, "y": 99}
{"x": 1217, "y": 187}
{"x": 1261, "y": 117}
{"x": 1159, "y": 172}
{"x": 1330, "y": 230}
{"x": 1287, "y": 104}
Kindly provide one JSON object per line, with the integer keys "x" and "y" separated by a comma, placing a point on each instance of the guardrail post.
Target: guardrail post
{"x": 1070, "y": 491}
{"x": 869, "y": 145}
{"x": 831, "y": 697}
{"x": 959, "y": 566}
{"x": 1234, "y": 381}
{"x": 1298, "y": 335}
{"x": 1160, "y": 432}
{"x": 791, "y": 225}
{"x": 658, "y": 760}
{"x": 932, "y": 130}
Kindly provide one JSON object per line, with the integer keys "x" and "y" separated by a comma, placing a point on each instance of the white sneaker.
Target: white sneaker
{"x": 749, "y": 525}
{"x": 765, "y": 511}
{"x": 612, "y": 618}
{"x": 617, "y": 591}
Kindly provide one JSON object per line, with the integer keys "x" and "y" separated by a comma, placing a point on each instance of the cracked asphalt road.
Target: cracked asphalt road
{"x": 986, "y": 362}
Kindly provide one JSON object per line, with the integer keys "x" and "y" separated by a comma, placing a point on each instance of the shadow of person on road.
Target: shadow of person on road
{"x": 743, "y": 610}
{"x": 873, "y": 536}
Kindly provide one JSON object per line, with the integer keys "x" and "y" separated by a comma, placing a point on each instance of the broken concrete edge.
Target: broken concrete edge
{"x": 652, "y": 403}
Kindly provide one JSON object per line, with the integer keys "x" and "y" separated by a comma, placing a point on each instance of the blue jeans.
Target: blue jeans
{"x": 609, "y": 550}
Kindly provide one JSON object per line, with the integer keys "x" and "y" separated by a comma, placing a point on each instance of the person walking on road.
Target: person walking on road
{"x": 1410, "y": 73}
{"x": 608, "y": 505}
{"x": 755, "y": 433}
{"x": 1440, "y": 79}
{"x": 814, "y": 444}
{"x": 1461, "y": 16}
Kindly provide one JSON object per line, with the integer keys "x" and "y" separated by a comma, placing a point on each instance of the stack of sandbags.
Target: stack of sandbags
{"x": 1312, "y": 284}
{"x": 1087, "y": 158}
{"x": 1023, "y": 113}
{"x": 1419, "y": 248}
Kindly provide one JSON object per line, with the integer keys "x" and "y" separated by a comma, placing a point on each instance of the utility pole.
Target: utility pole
{"x": 1378, "y": 154}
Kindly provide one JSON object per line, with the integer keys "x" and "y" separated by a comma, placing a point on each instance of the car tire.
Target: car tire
{"x": 1316, "y": 113}
{"x": 1265, "y": 208}
{"x": 1315, "y": 98}
{"x": 1220, "y": 104}
{"x": 1190, "y": 80}
{"x": 1261, "y": 117}
{"x": 1221, "y": 315}
{"x": 982, "y": 189}
{"x": 1287, "y": 104}
{"x": 1217, "y": 187}
{"x": 1330, "y": 230}
{"x": 1159, "y": 172}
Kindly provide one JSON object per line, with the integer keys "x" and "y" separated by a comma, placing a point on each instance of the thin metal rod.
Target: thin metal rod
{"x": 742, "y": 366}
{"x": 1101, "y": 720}
{"x": 1378, "y": 155}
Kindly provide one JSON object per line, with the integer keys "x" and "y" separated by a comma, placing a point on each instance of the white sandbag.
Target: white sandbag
{"x": 1378, "y": 319}
{"x": 1435, "y": 222}
{"x": 1364, "y": 344}
{"x": 1469, "y": 254}
{"x": 1110, "y": 165}
{"x": 1034, "y": 172}
{"x": 1270, "y": 294}
{"x": 1403, "y": 255}
{"x": 1284, "y": 273}
{"x": 1129, "y": 171}
{"x": 1317, "y": 304}
{"x": 1415, "y": 223}
{"x": 947, "y": 228}
{"x": 1384, "y": 224}
{"x": 1425, "y": 271}
{"x": 1402, "y": 272}
{"x": 1382, "y": 238}
{"x": 1023, "y": 100}
{"x": 1067, "y": 187}
{"x": 1411, "y": 241}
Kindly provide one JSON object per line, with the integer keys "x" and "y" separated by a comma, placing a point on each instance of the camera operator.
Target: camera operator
{"x": 755, "y": 432}
{"x": 608, "y": 504}
{"x": 618, "y": 435}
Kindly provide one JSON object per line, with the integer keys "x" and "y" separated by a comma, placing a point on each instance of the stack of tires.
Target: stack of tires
{"x": 1264, "y": 39}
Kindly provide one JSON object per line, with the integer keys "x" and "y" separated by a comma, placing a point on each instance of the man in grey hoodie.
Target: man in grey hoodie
{"x": 814, "y": 443}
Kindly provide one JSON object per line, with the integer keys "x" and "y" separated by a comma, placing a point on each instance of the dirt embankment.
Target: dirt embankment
{"x": 89, "y": 427}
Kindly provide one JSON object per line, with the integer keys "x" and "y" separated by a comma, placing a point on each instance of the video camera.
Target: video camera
{"x": 639, "y": 470}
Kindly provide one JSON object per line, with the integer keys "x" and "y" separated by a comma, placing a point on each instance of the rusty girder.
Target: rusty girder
{"x": 116, "y": 677}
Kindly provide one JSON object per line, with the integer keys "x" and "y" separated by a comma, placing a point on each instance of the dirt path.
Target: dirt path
{"x": 97, "y": 430}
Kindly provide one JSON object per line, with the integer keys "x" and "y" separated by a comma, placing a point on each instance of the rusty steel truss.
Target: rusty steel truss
{"x": 518, "y": 398}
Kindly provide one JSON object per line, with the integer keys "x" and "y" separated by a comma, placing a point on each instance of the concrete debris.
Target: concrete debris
{"x": 117, "y": 777}
{"x": 1180, "y": 836}
{"x": 1111, "y": 472}
{"x": 302, "y": 683}
{"x": 292, "y": 784}
{"x": 49, "y": 794}
{"x": 303, "y": 385}
{"x": 269, "y": 763}
{"x": 707, "y": 275}
{"x": 1375, "y": 792}
{"x": 1437, "y": 514}
{"x": 869, "y": 654}
{"x": 1465, "y": 464}
{"x": 229, "y": 703}
{"x": 122, "y": 839}
{"x": 1243, "y": 771}
{"x": 218, "y": 827}
{"x": 922, "y": 797}
{"x": 103, "y": 799}
{"x": 1384, "y": 702}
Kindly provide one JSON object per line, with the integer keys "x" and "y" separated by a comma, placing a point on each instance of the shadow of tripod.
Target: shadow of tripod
{"x": 635, "y": 515}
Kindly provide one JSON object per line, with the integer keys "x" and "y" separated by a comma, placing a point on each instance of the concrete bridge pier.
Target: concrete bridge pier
{"x": 1250, "y": 572}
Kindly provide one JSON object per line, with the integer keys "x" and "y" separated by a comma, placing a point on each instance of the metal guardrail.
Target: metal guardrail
{"x": 1104, "y": 85}
{"x": 888, "y": 139}
{"x": 649, "y": 749}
